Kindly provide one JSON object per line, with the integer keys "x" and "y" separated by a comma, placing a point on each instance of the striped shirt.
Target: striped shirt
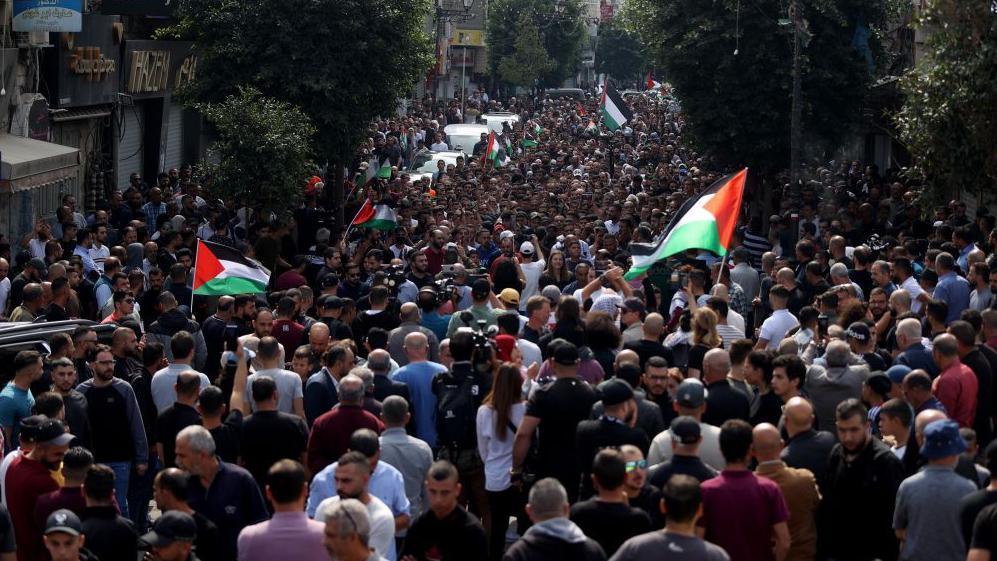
{"x": 756, "y": 246}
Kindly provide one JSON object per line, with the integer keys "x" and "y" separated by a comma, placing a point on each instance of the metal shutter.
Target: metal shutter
{"x": 130, "y": 150}
{"x": 173, "y": 150}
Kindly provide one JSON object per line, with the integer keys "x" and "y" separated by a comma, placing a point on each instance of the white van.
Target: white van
{"x": 494, "y": 120}
{"x": 462, "y": 138}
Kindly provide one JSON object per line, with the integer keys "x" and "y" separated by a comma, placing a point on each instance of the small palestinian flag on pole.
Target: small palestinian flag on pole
{"x": 706, "y": 222}
{"x": 220, "y": 270}
{"x": 377, "y": 216}
{"x": 615, "y": 112}
{"x": 492, "y": 151}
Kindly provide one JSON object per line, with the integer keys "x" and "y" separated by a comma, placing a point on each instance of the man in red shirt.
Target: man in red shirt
{"x": 30, "y": 477}
{"x": 331, "y": 432}
{"x": 288, "y": 332}
{"x": 294, "y": 278}
{"x": 743, "y": 513}
{"x": 956, "y": 387}
{"x": 435, "y": 252}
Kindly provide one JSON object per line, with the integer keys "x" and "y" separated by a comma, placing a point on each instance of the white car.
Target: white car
{"x": 494, "y": 121}
{"x": 462, "y": 138}
{"x": 426, "y": 162}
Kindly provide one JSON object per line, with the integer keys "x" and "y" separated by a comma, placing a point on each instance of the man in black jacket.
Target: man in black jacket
{"x": 723, "y": 402}
{"x": 613, "y": 428}
{"x": 552, "y": 535}
{"x": 171, "y": 321}
{"x": 110, "y": 536}
{"x": 855, "y": 519}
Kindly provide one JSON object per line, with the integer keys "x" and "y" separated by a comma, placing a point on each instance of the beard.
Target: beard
{"x": 343, "y": 495}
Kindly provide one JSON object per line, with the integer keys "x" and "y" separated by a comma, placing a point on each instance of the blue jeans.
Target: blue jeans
{"x": 140, "y": 493}
{"x": 122, "y": 474}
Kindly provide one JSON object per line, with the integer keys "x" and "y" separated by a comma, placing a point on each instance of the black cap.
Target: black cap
{"x": 29, "y": 427}
{"x": 480, "y": 288}
{"x": 171, "y": 527}
{"x": 52, "y": 431}
{"x": 615, "y": 391}
{"x": 40, "y": 266}
{"x": 859, "y": 331}
{"x": 633, "y": 305}
{"x": 64, "y": 521}
{"x": 331, "y": 302}
{"x": 685, "y": 430}
{"x": 566, "y": 354}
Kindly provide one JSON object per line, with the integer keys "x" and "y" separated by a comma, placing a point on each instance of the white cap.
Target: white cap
{"x": 527, "y": 248}
{"x": 506, "y": 234}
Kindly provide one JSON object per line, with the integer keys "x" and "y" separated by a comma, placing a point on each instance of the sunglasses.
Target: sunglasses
{"x": 636, "y": 464}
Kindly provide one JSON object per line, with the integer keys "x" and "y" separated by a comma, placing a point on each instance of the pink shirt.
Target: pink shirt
{"x": 288, "y": 535}
{"x": 957, "y": 388}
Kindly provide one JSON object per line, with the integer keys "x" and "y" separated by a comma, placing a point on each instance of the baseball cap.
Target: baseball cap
{"x": 691, "y": 393}
{"x": 52, "y": 431}
{"x": 329, "y": 280}
{"x": 509, "y": 296}
{"x": 331, "y": 301}
{"x": 506, "y": 234}
{"x": 65, "y": 521}
{"x": 633, "y": 305}
{"x": 552, "y": 293}
{"x": 859, "y": 331}
{"x": 527, "y": 248}
{"x": 29, "y": 427}
{"x": 480, "y": 288}
{"x": 615, "y": 391}
{"x": 566, "y": 354}
{"x": 171, "y": 527}
{"x": 685, "y": 430}
{"x": 897, "y": 372}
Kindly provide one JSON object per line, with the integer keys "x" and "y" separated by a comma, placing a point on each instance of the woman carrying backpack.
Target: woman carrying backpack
{"x": 497, "y": 422}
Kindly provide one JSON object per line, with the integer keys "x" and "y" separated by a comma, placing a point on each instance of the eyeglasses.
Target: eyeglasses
{"x": 636, "y": 464}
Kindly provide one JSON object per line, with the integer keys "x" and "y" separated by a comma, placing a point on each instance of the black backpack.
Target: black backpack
{"x": 456, "y": 412}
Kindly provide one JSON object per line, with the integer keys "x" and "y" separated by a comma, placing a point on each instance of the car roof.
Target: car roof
{"x": 462, "y": 128}
{"x": 24, "y": 333}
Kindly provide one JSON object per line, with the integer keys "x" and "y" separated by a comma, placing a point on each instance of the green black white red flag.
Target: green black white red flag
{"x": 705, "y": 222}
{"x": 220, "y": 270}
{"x": 615, "y": 112}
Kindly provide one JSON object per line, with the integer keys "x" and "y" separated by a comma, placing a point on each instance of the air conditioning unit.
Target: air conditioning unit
{"x": 35, "y": 39}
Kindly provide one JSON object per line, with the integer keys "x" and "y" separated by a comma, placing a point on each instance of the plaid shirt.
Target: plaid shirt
{"x": 738, "y": 301}
{"x": 152, "y": 212}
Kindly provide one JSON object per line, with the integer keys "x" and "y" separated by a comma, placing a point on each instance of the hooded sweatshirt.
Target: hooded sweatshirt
{"x": 169, "y": 324}
{"x": 557, "y": 539}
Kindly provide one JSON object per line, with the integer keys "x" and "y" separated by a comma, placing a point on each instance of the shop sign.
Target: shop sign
{"x": 150, "y": 71}
{"x": 91, "y": 63}
{"x": 48, "y": 15}
{"x": 157, "y": 68}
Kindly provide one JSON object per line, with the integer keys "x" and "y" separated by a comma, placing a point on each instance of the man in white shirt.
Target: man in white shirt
{"x": 352, "y": 477}
{"x": 775, "y": 327}
{"x": 290, "y": 396}
{"x": 532, "y": 264}
{"x": 903, "y": 269}
{"x": 438, "y": 145}
{"x": 99, "y": 251}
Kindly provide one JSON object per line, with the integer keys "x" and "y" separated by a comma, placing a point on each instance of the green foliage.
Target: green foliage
{"x": 560, "y": 25}
{"x": 528, "y": 60}
{"x": 738, "y": 106}
{"x": 619, "y": 53}
{"x": 263, "y": 151}
{"x": 949, "y": 116}
{"x": 343, "y": 62}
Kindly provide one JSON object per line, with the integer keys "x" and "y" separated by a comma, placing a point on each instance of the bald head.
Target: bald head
{"x": 416, "y": 346}
{"x": 716, "y": 365}
{"x": 625, "y": 356}
{"x": 785, "y": 275}
{"x": 766, "y": 442}
{"x": 799, "y": 415}
{"x": 925, "y": 418}
{"x": 409, "y": 312}
{"x": 654, "y": 325}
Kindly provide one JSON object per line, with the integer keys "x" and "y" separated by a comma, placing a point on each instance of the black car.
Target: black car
{"x": 17, "y": 337}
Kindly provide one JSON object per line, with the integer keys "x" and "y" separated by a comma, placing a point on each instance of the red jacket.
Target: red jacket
{"x": 26, "y": 481}
{"x": 331, "y": 432}
{"x": 957, "y": 388}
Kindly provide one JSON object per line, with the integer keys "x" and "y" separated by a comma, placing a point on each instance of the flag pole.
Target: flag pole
{"x": 349, "y": 227}
{"x": 197, "y": 257}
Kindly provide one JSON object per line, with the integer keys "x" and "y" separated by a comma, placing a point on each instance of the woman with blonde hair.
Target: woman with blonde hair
{"x": 497, "y": 422}
{"x": 704, "y": 338}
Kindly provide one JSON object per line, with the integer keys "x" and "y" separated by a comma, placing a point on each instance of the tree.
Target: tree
{"x": 949, "y": 116}
{"x": 732, "y": 71}
{"x": 343, "y": 62}
{"x": 263, "y": 150}
{"x": 619, "y": 53}
{"x": 560, "y": 26}
{"x": 528, "y": 61}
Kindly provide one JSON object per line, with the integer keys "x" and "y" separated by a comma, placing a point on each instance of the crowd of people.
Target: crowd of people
{"x": 481, "y": 381}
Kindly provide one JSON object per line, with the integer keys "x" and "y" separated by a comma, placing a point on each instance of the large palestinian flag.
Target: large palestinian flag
{"x": 220, "y": 269}
{"x": 377, "y": 216}
{"x": 706, "y": 222}
{"x": 615, "y": 112}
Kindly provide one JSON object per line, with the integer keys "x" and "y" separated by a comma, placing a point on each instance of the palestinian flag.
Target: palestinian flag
{"x": 384, "y": 172}
{"x": 580, "y": 108}
{"x": 377, "y": 216}
{"x": 220, "y": 270}
{"x": 529, "y": 143}
{"x": 615, "y": 112}
{"x": 706, "y": 222}
{"x": 592, "y": 127}
{"x": 651, "y": 83}
{"x": 492, "y": 151}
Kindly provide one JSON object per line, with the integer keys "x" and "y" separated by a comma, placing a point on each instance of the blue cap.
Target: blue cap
{"x": 897, "y": 372}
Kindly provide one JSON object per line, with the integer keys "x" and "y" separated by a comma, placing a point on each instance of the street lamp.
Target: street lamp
{"x": 456, "y": 12}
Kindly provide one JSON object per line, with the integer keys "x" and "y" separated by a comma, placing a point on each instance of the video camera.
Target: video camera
{"x": 483, "y": 337}
{"x": 395, "y": 277}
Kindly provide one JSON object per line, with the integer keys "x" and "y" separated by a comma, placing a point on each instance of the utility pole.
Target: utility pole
{"x": 796, "y": 117}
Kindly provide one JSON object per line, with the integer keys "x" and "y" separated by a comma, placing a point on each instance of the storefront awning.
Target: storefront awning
{"x": 26, "y": 163}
